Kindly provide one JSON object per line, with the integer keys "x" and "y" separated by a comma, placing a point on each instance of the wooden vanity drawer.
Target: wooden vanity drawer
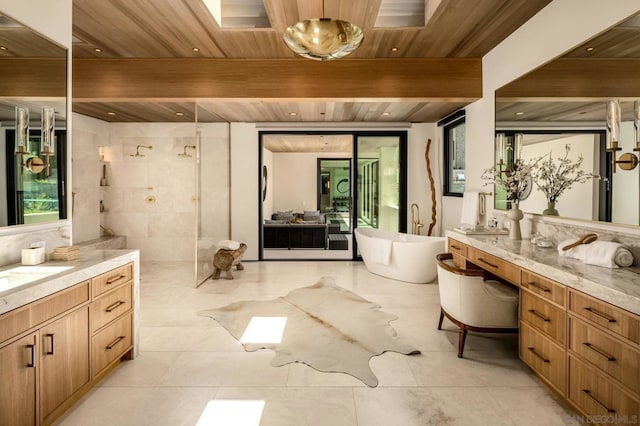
{"x": 20, "y": 320}
{"x": 614, "y": 319}
{"x": 111, "y": 343}
{"x": 112, "y": 279}
{"x": 495, "y": 265}
{"x": 608, "y": 354}
{"x": 597, "y": 396}
{"x": 545, "y": 288}
{"x": 543, "y": 356}
{"x": 457, "y": 247}
{"x": 110, "y": 306}
{"x": 548, "y": 318}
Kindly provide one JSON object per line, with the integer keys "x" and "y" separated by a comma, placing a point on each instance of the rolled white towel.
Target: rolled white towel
{"x": 228, "y": 244}
{"x": 623, "y": 257}
{"x": 603, "y": 253}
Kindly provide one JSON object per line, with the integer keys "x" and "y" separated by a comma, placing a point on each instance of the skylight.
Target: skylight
{"x": 401, "y": 13}
{"x": 236, "y": 14}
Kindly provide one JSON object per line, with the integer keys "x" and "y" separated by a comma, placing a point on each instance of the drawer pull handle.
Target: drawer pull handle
{"x": 32, "y": 364}
{"x": 116, "y": 278}
{"x": 455, "y": 247}
{"x": 115, "y": 305}
{"x": 599, "y": 351}
{"x": 487, "y": 263}
{"x": 539, "y": 287}
{"x": 600, "y": 314}
{"x": 588, "y": 393}
{"x": 115, "y": 342}
{"x": 539, "y": 315}
{"x": 50, "y": 336}
{"x": 533, "y": 351}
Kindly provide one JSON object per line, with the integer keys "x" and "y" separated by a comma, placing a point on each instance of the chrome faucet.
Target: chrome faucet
{"x": 415, "y": 224}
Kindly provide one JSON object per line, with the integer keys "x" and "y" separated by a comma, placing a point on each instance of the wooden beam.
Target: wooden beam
{"x": 441, "y": 79}
{"x": 577, "y": 78}
{"x": 33, "y": 77}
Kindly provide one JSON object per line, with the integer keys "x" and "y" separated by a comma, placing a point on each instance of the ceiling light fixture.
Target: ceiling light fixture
{"x": 4, "y": 48}
{"x": 97, "y": 49}
{"x": 394, "y": 49}
{"x": 293, "y": 114}
{"x": 111, "y": 113}
{"x": 589, "y": 49}
{"x": 385, "y": 113}
{"x": 519, "y": 113}
{"x": 179, "y": 114}
{"x": 195, "y": 49}
{"x": 323, "y": 39}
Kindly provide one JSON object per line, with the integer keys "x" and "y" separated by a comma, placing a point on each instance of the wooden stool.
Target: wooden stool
{"x": 225, "y": 260}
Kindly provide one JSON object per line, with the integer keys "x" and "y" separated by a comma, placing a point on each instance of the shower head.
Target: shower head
{"x": 137, "y": 154}
{"x": 184, "y": 151}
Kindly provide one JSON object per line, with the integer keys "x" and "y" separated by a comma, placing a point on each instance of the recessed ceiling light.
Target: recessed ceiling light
{"x": 97, "y": 49}
{"x": 519, "y": 113}
{"x": 589, "y": 49}
{"x": 4, "y": 48}
{"x": 394, "y": 49}
{"x": 111, "y": 113}
{"x": 180, "y": 114}
{"x": 385, "y": 113}
{"x": 293, "y": 114}
{"x": 195, "y": 49}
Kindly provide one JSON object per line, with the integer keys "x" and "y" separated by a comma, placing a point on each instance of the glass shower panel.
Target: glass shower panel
{"x": 213, "y": 189}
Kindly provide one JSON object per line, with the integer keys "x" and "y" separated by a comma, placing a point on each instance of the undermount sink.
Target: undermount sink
{"x": 20, "y": 275}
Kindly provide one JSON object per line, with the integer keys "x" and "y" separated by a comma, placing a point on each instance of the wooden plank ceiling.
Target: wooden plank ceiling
{"x": 134, "y": 29}
{"x": 574, "y": 88}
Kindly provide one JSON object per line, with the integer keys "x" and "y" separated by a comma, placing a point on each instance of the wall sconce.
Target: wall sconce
{"x": 47, "y": 140}
{"x": 503, "y": 145}
{"x": 22, "y": 131}
{"x": 627, "y": 161}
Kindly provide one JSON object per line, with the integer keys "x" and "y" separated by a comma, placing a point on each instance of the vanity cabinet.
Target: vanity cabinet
{"x": 543, "y": 326}
{"x": 18, "y": 363}
{"x": 585, "y": 349}
{"x": 64, "y": 359}
{"x": 111, "y": 317}
{"x": 604, "y": 358}
{"x": 55, "y": 349}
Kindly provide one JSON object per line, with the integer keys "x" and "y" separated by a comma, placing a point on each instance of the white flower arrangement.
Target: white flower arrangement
{"x": 516, "y": 181}
{"x": 554, "y": 176}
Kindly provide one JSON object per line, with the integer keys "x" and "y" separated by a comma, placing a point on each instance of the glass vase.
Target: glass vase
{"x": 551, "y": 209}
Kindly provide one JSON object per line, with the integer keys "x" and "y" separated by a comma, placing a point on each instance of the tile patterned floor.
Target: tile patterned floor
{"x": 187, "y": 360}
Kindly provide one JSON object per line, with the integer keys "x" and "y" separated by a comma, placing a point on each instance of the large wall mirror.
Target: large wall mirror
{"x": 564, "y": 103}
{"x": 33, "y": 126}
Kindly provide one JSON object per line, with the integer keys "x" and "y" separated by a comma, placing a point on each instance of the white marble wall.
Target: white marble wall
{"x": 151, "y": 199}
{"x": 13, "y": 239}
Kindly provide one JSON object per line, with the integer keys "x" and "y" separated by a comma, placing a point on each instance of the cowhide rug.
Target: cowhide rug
{"x": 327, "y": 327}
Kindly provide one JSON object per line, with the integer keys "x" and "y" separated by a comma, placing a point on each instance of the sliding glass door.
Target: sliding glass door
{"x": 381, "y": 181}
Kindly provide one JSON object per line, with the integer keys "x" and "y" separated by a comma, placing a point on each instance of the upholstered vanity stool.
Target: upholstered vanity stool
{"x": 225, "y": 259}
{"x": 473, "y": 303}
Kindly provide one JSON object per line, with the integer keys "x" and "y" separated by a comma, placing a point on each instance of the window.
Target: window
{"x": 454, "y": 148}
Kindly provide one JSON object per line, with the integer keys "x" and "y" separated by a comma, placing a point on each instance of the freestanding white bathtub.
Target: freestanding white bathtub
{"x": 403, "y": 257}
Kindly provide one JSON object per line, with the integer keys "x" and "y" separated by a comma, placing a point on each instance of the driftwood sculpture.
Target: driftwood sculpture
{"x": 433, "y": 189}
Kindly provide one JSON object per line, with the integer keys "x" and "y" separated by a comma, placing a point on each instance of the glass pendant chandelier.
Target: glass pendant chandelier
{"x": 323, "y": 39}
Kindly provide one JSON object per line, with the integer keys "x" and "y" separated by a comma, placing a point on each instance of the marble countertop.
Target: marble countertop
{"x": 89, "y": 264}
{"x": 620, "y": 287}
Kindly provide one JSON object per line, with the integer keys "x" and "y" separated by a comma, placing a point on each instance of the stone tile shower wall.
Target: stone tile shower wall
{"x": 151, "y": 199}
